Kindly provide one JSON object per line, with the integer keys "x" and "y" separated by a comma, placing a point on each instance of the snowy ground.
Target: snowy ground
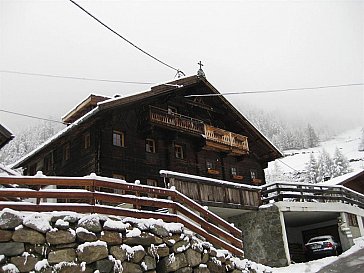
{"x": 347, "y": 142}
{"x": 314, "y": 266}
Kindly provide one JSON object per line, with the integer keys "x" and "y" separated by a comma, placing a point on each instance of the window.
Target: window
{"x": 178, "y": 151}
{"x": 352, "y": 220}
{"x": 233, "y": 171}
{"x": 150, "y": 145}
{"x": 66, "y": 152}
{"x": 210, "y": 165}
{"x": 253, "y": 174}
{"x": 118, "y": 138}
{"x": 86, "y": 140}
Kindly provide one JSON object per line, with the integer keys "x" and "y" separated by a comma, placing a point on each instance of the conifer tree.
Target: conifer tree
{"x": 311, "y": 170}
{"x": 312, "y": 139}
{"x": 341, "y": 164}
{"x": 325, "y": 166}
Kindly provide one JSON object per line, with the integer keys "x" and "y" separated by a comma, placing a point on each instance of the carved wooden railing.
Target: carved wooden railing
{"x": 305, "y": 192}
{"x": 175, "y": 120}
{"x": 214, "y": 192}
{"x": 215, "y": 137}
{"x": 82, "y": 196}
{"x": 232, "y": 142}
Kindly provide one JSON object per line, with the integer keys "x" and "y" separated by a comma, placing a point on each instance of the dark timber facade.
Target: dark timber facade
{"x": 135, "y": 137}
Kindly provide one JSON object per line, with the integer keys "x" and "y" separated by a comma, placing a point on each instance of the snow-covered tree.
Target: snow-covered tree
{"x": 324, "y": 166}
{"x": 341, "y": 164}
{"x": 311, "y": 139}
{"x": 27, "y": 140}
{"x": 311, "y": 170}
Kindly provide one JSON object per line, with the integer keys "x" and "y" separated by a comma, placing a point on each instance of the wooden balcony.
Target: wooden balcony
{"x": 216, "y": 138}
{"x": 176, "y": 121}
{"x": 222, "y": 140}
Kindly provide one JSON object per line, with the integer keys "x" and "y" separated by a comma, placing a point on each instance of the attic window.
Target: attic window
{"x": 118, "y": 138}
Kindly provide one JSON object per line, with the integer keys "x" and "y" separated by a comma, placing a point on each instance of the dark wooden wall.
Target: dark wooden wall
{"x": 133, "y": 162}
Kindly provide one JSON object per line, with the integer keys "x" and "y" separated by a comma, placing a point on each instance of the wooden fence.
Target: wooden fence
{"x": 107, "y": 196}
{"x": 294, "y": 192}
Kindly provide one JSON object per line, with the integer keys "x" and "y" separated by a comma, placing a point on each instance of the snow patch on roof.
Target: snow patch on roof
{"x": 340, "y": 179}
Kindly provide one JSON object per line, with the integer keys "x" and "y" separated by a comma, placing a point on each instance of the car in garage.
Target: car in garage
{"x": 322, "y": 246}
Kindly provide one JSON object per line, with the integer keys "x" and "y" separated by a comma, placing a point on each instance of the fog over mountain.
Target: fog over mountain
{"x": 244, "y": 46}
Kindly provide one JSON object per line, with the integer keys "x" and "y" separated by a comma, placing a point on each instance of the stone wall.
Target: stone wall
{"x": 262, "y": 236}
{"x": 67, "y": 242}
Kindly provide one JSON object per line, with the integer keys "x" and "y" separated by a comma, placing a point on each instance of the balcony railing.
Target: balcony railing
{"x": 225, "y": 140}
{"x": 216, "y": 138}
{"x": 175, "y": 120}
{"x": 87, "y": 200}
{"x": 294, "y": 192}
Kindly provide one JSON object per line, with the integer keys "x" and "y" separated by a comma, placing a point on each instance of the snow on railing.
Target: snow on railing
{"x": 100, "y": 194}
{"x": 306, "y": 192}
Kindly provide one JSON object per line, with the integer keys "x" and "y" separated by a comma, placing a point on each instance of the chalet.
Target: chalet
{"x": 173, "y": 126}
{"x": 5, "y": 136}
{"x": 184, "y": 134}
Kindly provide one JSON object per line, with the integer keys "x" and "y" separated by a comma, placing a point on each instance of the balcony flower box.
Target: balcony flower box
{"x": 238, "y": 177}
{"x": 212, "y": 171}
{"x": 257, "y": 181}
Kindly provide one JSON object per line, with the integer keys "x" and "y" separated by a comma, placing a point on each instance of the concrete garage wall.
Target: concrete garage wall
{"x": 262, "y": 236}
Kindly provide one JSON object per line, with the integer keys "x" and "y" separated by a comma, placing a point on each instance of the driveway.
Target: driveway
{"x": 353, "y": 263}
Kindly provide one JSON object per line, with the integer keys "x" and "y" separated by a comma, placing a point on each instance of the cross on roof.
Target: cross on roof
{"x": 200, "y": 64}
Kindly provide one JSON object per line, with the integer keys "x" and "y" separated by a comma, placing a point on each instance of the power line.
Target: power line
{"x": 275, "y": 90}
{"x": 122, "y": 37}
{"x": 72, "y": 77}
{"x": 287, "y": 165}
{"x": 34, "y": 117}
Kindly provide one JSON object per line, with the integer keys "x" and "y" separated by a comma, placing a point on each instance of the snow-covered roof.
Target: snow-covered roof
{"x": 5, "y": 170}
{"x": 342, "y": 179}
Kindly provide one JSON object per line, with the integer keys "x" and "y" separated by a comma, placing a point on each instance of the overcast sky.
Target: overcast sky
{"x": 244, "y": 46}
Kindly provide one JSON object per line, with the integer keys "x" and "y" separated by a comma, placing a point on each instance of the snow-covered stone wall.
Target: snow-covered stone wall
{"x": 69, "y": 242}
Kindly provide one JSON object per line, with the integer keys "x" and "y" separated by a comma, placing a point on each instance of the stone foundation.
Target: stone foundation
{"x": 69, "y": 242}
{"x": 262, "y": 236}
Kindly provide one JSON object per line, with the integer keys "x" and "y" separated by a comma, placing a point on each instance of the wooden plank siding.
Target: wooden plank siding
{"x": 218, "y": 195}
{"x": 132, "y": 118}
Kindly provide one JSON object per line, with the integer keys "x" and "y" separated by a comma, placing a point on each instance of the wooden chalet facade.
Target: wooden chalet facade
{"x": 134, "y": 137}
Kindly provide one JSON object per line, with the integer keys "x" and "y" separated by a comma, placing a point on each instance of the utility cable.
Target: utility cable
{"x": 34, "y": 117}
{"x": 72, "y": 77}
{"x": 122, "y": 37}
{"x": 275, "y": 90}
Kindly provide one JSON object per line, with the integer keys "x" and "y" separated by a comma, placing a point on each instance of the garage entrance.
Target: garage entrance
{"x": 302, "y": 226}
